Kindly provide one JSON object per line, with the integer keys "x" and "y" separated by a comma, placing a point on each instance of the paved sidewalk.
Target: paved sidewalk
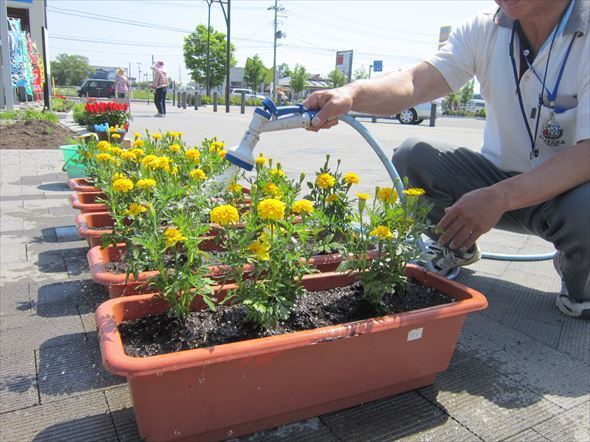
{"x": 520, "y": 371}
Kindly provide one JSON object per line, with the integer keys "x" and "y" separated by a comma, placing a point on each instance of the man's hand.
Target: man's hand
{"x": 474, "y": 214}
{"x": 331, "y": 104}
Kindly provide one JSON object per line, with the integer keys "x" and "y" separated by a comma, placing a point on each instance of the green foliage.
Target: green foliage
{"x": 61, "y": 104}
{"x": 360, "y": 73}
{"x": 254, "y": 72}
{"x": 29, "y": 115}
{"x": 466, "y": 92}
{"x": 299, "y": 78}
{"x": 195, "y": 55}
{"x": 283, "y": 70}
{"x": 336, "y": 78}
{"x": 70, "y": 70}
{"x": 385, "y": 240}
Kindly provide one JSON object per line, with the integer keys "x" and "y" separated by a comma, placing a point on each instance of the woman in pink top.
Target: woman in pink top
{"x": 121, "y": 87}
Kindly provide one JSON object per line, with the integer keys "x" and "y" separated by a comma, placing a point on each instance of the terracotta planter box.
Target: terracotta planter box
{"x": 233, "y": 389}
{"x": 87, "y": 202}
{"x": 118, "y": 284}
{"x": 92, "y": 226}
{"x": 81, "y": 185}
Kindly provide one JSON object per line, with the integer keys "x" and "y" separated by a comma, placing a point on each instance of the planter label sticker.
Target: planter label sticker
{"x": 415, "y": 334}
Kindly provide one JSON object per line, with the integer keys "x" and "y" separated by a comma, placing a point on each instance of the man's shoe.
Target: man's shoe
{"x": 563, "y": 302}
{"x": 570, "y": 307}
{"x": 444, "y": 260}
{"x": 159, "y": 115}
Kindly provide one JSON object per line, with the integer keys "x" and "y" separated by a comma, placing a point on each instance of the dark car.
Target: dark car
{"x": 97, "y": 88}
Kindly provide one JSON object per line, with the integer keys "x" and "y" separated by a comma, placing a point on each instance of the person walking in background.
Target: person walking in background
{"x": 122, "y": 88}
{"x": 160, "y": 87}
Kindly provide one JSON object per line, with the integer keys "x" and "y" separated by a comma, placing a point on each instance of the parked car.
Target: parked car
{"x": 419, "y": 113}
{"x": 97, "y": 88}
{"x": 248, "y": 92}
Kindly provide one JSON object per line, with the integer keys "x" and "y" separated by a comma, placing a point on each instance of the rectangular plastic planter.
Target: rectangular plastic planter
{"x": 91, "y": 226}
{"x": 82, "y": 185}
{"x": 118, "y": 284}
{"x": 228, "y": 390}
{"x": 86, "y": 202}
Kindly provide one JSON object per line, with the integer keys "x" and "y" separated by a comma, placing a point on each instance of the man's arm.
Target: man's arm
{"x": 478, "y": 211}
{"x": 385, "y": 95}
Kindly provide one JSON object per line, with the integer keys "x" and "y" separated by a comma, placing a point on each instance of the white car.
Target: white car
{"x": 248, "y": 92}
{"x": 419, "y": 113}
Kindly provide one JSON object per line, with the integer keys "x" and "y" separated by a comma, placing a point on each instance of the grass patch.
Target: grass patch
{"x": 29, "y": 114}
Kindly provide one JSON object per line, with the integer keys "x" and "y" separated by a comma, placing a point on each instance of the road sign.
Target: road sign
{"x": 377, "y": 65}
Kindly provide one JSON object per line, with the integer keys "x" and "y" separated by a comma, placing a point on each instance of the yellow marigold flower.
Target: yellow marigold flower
{"x": 198, "y": 174}
{"x": 137, "y": 135}
{"x": 148, "y": 159}
{"x": 146, "y": 183}
{"x": 173, "y": 236}
{"x": 332, "y": 198}
{"x": 115, "y": 136}
{"x": 387, "y": 195}
{"x": 278, "y": 172}
{"x": 157, "y": 136}
{"x": 325, "y": 181}
{"x": 363, "y": 196}
{"x": 103, "y": 145}
{"x": 351, "y": 178}
{"x": 216, "y": 146}
{"x": 382, "y": 232}
{"x": 224, "y": 215}
{"x": 118, "y": 175}
{"x": 137, "y": 151}
{"x": 164, "y": 163}
{"x": 128, "y": 155}
{"x": 123, "y": 185}
{"x": 302, "y": 206}
{"x": 271, "y": 209}
{"x": 138, "y": 142}
{"x": 174, "y": 148}
{"x": 115, "y": 150}
{"x": 193, "y": 155}
{"x": 235, "y": 187}
{"x": 414, "y": 191}
{"x": 271, "y": 189}
{"x": 222, "y": 153}
{"x": 174, "y": 170}
{"x": 104, "y": 157}
{"x": 260, "y": 161}
{"x": 260, "y": 249}
{"x": 135, "y": 209}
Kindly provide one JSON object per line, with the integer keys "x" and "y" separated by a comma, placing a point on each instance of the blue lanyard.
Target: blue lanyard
{"x": 551, "y": 95}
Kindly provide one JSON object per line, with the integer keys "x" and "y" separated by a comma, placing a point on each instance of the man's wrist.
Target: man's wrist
{"x": 355, "y": 89}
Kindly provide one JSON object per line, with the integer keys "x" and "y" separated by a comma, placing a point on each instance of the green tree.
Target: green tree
{"x": 195, "y": 55}
{"x": 449, "y": 102}
{"x": 70, "y": 70}
{"x": 360, "y": 73}
{"x": 283, "y": 70}
{"x": 336, "y": 78}
{"x": 298, "y": 78}
{"x": 466, "y": 93}
{"x": 254, "y": 72}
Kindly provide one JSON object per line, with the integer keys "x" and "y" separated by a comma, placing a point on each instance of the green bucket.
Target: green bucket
{"x": 71, "y": 164}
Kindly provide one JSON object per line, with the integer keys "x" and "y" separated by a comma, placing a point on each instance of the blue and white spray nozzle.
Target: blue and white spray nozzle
{"x": 269, "y": 118}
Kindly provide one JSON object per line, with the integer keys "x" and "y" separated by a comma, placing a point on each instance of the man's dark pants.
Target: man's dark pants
{"x": 160, "y": 100}
{"x": 447, "y": 172}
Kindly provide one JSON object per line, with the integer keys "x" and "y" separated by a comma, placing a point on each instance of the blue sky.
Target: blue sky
{"x": 398, "y": 32}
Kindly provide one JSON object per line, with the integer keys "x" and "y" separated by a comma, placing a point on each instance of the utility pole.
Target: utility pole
{"x": 208, "y": 81}
{"x": 227, "y": 15}
{"x": 138, "y": 72}
{"x": 153, "y": 60}
{"x": 8, "y": 99}
{"x": 277, "y": 34}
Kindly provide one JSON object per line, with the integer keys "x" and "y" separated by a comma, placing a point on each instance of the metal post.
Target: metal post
{"x": 242, "y": 102}
{"x": 432, "y": 114}
{"x": 228, "y": 57}
{"x": 373, "y": 119}
{"x": 274, "y": 59}
{"x": 215, "y": 101}
{"x": 196, "y": 100}
{"x": 174, "y": 97}
{"x": 184, "y": 100}
{"x": 178, "y": 104}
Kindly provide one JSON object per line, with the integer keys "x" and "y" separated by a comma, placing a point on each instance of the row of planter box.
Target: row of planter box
{"x": 233, "y": 389}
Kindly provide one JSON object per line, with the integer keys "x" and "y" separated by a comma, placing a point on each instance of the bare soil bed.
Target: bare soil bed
{"x": 160, "y": 334}
{"x": 33, "y": 134}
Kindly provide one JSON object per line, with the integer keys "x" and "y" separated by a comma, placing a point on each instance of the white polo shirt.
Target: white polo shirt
{"x": 480, "y": 48}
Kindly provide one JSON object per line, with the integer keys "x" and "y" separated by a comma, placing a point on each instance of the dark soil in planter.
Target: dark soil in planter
{"x": 34, "y": 134}
{"x": 160, "y": 334}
